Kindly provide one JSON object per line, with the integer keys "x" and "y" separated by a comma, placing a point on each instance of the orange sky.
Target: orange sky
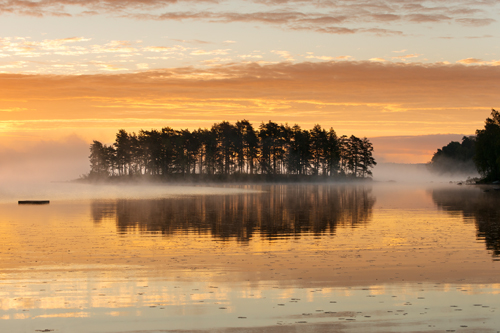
{"x": 360, "y": 98}
{"x": 83, "y": 70}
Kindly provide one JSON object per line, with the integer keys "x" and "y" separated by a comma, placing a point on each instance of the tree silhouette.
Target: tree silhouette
{"x": 101, "y": 159}
{"x": 455, "y": 157}
{"x": 487, "y": 156}
{"x": 226, "y": 149}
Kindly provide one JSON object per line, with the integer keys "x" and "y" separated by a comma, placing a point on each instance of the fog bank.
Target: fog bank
{"x": 44, "y": 161}
{"x": 414, "y": 173}
{"x": 67, "y": 159}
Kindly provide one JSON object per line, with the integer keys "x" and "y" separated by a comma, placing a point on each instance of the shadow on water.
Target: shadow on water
{"x": 475, "y": 205}
{"x": 280, "y": 211}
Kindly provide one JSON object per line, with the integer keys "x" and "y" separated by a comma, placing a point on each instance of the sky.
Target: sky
{"x": 409, "y": 75}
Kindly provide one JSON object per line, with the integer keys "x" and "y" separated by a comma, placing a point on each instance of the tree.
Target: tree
{"x": 344, "y": 152}
{"x": 270, "y": 137}
{"x": 226, "y": 135}
{"x": 150, "y": 143}
{"x": 99, "y": 160}
{"x": 167, "y": 153}
{"x": 367, "y": 161}
{"x": 123, "y": 152}
{"x": 487, "y": 156}
{"x": 319, "y": 144}
{"x": 248, "y": 145}
{"x": 354, "y": 157}
{"x": 332, "y": 153}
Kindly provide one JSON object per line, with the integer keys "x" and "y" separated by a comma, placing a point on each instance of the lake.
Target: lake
{"x": 377, "y": 257}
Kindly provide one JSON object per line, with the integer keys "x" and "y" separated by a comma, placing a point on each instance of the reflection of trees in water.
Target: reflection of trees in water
{"x": 282, "y": 210}
{"x": 474, "y": 204}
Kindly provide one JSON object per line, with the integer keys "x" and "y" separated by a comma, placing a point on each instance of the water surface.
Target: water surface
{"x": 369, "y": 257}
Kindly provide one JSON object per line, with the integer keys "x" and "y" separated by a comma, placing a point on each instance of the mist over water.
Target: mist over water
{"x": 77, "y": 191}
{"x": 31, "y": 167}
{"x": 38, "y": 185}
{"x": 45, "y": 161}
{"x": 415, "y": 173}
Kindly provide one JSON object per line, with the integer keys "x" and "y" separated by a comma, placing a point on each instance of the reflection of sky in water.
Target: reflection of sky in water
{"x": 278, "y": 256}
{"x": 110, "y": 301}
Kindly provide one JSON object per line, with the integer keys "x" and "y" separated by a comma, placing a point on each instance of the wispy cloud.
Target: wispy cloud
{"x": 310, "y": 55}
{"x": 475, "y": 22}
{"x": 407, "y": 56}
{"x": 332, "y": 17}
{"x": 355, "y": 97}
{"x": 283, "y": 54}
{"x": 475, "y": 61}
{"x": 211, "y": 52}
{"x": 191, "y": 41}
{"x": 382, "y": 83}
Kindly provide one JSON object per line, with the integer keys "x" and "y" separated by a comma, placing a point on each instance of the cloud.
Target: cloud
{"x": 470, "y": 61}
{"x": 191, "y": 41}
{"x": 115, "y": 46}
{"x": 355, "y": 97}
{"x": 284, "y": 54}
{"x": 89, "y": 7}
{"x": 251, "y": 56}
{"x": 386, "y": 17}
{"x": 58, "y": 43}
{"x": 333, "y": 17}
{"x": 157, "y": 49}
{"x": 331, "y": 75}
{"x": 12, "y": 110}
{"x": 310, "y": 55}
{"x": 108, "y": 67}
{"x": 426, "y": 18}
{"x": 407, "y": 56}
{"x": 475, "y": 22}
{"x": 475, "y": 61}
{"x": 25, "y": 47}
{"x": 216, "y": 61}
{"x": 211, "y": 52}
{"x": 14, "y": 64}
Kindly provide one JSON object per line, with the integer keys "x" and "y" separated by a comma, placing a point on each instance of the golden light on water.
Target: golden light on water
{"x": 343, "y": 250}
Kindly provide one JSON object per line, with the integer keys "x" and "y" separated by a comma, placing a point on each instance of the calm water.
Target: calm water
{"x": 341, "y": 258}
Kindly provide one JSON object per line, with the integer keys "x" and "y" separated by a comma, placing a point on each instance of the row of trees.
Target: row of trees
{"x": 227, "y": 149}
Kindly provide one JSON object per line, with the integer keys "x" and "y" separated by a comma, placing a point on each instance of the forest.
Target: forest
{"x": 479, "y": 153}
{"x": 455, "y": 157}
{"x": 233, "y": 151}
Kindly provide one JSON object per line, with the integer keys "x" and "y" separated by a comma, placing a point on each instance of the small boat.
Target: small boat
{"x": 33, "y": 202}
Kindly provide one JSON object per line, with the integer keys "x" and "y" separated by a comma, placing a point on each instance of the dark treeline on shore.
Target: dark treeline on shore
{"x": 233, "y": 150}
{"x": 479, "y": 153}
{"x": 455, "y": 157}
